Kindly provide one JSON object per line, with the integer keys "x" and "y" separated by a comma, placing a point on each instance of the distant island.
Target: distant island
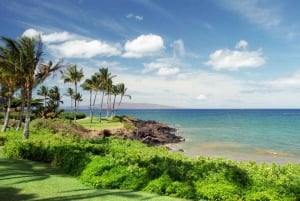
{"x": 127, "y": 105}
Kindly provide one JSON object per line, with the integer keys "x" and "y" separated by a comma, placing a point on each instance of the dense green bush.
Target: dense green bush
{"x": 70, "y": 115}
{"x": 126, "y": 164}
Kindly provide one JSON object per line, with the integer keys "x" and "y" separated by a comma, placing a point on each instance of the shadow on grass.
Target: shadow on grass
{"x": 17, "y": 176}
{"x": 20, "y": 171}
{"x": 13, "y": 194}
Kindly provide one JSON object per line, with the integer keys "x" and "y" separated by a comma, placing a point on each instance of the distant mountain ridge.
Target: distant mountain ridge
{"x": 131, "y": 106}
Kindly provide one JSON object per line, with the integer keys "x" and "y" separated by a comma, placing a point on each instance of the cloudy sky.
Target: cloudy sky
{"x": 184, "y": 53}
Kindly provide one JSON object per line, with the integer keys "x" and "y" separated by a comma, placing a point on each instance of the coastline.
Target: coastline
{"x": 259, "y": 156}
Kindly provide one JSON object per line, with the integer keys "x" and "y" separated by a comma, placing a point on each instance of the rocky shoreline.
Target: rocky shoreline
{"x": 151, "y": 133}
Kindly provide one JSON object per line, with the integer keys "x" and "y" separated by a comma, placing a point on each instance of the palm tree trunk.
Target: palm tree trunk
{"x": 6, "y": 119}
{"x": 101, "y": 106}
{"x": 93, "y": 106}
{"x": 119, "y": 103}
{"x": 113, "y": 107}
{"x": 27, "y": 119}
{"x": 75, "y": 103}
{"x": 21, "y": 112}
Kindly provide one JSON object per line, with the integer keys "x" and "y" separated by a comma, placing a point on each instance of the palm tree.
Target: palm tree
{"x": 31, "y": 69}
{"x": 115, "y": 92}
{"x": 70, "y": 93}
{"x": 43, "y": 91}
{"x": 54, "y": 102}
{"x": 122, "y": 92}
{"x": 34, "y": 71}
{"x": 9, "y": 74}
{"x": 88, "y": 85}
{"x": 93, "y": 85}
{"x": 72, "y": 75}
{"x": 105, "y": 79}
{"x": 78, "y": 98}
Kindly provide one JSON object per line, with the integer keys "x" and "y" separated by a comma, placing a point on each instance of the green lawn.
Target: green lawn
{"x": 27, "y": 180}
{"x": 106, "y": 123}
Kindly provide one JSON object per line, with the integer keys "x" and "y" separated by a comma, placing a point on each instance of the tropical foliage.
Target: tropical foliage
{"x": 22, "y": 69}
{"x": 21, "y": 62}
{"x": 126, "y": 164}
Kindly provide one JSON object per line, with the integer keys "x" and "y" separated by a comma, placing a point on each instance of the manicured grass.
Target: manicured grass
{"x": 106, "y": 123}
{"x": 27, "y": 180}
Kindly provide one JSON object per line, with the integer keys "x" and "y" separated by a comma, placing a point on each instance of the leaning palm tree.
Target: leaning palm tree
{"x": 31, "y": 69}
{"x": 122, "y": 92}
{"x": 72, "y": 75}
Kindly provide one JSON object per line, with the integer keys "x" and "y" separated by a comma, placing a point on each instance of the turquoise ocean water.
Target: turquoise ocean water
{"x": 262, "y": 135}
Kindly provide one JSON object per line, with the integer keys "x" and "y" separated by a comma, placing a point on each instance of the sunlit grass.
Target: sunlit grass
{"x": 27, "y": 180}
{"x": 106, "y": 123}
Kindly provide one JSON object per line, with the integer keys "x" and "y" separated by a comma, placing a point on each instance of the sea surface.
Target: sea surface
{"x": 261, "y": 135}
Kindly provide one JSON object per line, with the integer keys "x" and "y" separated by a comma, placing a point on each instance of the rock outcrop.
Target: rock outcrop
{"x": 149, "y": 132}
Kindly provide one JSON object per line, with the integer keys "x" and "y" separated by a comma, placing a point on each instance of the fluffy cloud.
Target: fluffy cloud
{"x": 241, "y": 45}
{"x": 163, "y": 66}
{"x": 31, "y": 33}
{"x": 226, "y": 59}
{"x": 66, "y": 45}
{"x": 84, "y": 49}
{"x": 144, "y": 45}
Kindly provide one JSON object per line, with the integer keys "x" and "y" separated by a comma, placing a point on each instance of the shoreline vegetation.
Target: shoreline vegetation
{"x": 108, "y": 162}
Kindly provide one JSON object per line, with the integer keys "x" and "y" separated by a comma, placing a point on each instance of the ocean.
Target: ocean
{"x": 261, "y": 135}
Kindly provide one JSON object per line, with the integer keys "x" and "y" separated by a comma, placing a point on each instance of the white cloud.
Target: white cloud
{"x": 163, "y": 66}
{"x": 178, "y": 48}
{"x": 58, "y": 37}
{"x": 84, "y": 49}
{"x": 132, "y": 16}
{"x": 241, "y": 45}
{"x": 253, "y": 11}
{"x": 144, "y": 45}
{"x": 226, "y": 59}
{"x": 31, "y": 33}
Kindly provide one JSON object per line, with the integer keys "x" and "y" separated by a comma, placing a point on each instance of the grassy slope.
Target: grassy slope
{"x": 106, "y": 123}
{"x": 27, "y": 180}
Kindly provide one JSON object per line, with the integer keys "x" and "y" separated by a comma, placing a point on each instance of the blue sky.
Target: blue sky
{"x": 184, "y": 53}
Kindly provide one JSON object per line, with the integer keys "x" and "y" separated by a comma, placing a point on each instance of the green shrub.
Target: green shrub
{"x": 127, "y": 164}
{"x": 70, "y": 115}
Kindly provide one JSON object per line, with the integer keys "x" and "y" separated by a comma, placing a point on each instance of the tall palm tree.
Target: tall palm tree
{"x": 115, "y": 92}
{"x": 122, "y": 92}
{"x": 72, "y": 75}
{"x": 34, "y": 71}
{"x": 105, "y": 78}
